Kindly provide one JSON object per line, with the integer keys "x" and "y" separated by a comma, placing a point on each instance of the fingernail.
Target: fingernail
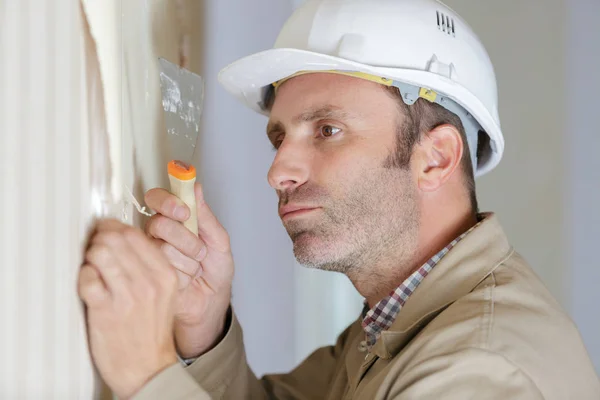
{"x": 180, "y": 213}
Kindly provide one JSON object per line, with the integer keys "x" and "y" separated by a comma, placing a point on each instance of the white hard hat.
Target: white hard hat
{"x": 421, "y": 46}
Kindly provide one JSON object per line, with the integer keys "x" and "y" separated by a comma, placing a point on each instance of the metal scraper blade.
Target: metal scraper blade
{"x": 182, "y": 101}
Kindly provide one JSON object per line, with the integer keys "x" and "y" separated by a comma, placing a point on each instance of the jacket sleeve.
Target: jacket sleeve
{"x": 466, "y": 374}
{"x": 223, "y": 373}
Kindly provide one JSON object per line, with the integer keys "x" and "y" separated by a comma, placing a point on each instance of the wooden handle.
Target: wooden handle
{"x": 184, "y": 190}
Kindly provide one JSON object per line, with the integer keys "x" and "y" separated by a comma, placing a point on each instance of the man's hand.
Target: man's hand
{"x": 129, "y": 289}
{"x": 204, "y": 266}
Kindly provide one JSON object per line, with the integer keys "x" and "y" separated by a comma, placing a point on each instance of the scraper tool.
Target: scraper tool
{"x": 182, "y": 100}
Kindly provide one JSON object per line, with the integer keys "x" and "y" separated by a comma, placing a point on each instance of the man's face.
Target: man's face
{"x": 341, "y": 203}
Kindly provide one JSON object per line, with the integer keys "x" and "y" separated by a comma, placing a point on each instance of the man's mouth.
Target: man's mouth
{"x": 295, "y": 210}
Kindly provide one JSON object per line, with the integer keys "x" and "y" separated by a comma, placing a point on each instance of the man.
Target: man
{"x": 382, "y": 114}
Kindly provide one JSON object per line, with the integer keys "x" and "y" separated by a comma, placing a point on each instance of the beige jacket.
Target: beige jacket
{"x": 480, "y": 326}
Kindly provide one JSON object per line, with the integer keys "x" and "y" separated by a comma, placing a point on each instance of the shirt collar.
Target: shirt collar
{"x": 383, "y": 314}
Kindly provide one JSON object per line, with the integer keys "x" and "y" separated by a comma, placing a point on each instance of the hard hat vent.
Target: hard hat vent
{"x": 445, "y": 23}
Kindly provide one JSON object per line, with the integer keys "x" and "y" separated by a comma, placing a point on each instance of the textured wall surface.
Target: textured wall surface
{"x": 50, "y": 107}
{"x": 80, "y": 118}
{"x": 150, "y": 29}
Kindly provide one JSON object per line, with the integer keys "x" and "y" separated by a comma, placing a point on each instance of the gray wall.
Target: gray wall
{"x": 547, "y": 187}
{"x": 582, "y": 190}
{"x": 234, "y": 159}
{"x": 525, "y": 41}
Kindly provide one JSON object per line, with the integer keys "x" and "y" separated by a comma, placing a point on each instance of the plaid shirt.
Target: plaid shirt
{"x": 383, "y": 314}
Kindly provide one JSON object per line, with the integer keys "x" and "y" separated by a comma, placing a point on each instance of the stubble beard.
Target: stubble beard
{"x": 376, "y": 223}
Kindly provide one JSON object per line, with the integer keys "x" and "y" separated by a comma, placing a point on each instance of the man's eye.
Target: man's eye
{"x": 328, "y": 130}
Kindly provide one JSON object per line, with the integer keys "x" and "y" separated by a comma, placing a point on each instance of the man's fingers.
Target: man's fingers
{"x": 209, "y": 227}
{"x": 91, "y": 288}
{"x": 122, "y": 255}
{"x": 113, "y": 275}
{"x": 177, "y": 235}
{"x": 177, "y": 259}
{"x": 152, "y": 257}
{"x": 182, "y": 265}
{"x": 167, "y": 204}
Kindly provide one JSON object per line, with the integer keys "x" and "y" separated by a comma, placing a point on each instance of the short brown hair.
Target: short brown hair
{"x": 420, "y": 118}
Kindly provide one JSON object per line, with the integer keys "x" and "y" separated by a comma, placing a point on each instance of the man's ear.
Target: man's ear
{"x": 437, "y": 156}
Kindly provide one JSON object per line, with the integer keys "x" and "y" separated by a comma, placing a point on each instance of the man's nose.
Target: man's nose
{"x": 290, "y": 168}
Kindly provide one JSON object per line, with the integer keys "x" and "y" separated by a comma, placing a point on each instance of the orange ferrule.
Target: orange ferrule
{"x": 181, "y": 170}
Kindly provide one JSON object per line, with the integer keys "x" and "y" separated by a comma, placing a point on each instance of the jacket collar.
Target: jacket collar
{"x": 463, "y": 268}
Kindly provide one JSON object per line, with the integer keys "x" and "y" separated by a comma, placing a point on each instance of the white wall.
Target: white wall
{"x": 324, "y": 304}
